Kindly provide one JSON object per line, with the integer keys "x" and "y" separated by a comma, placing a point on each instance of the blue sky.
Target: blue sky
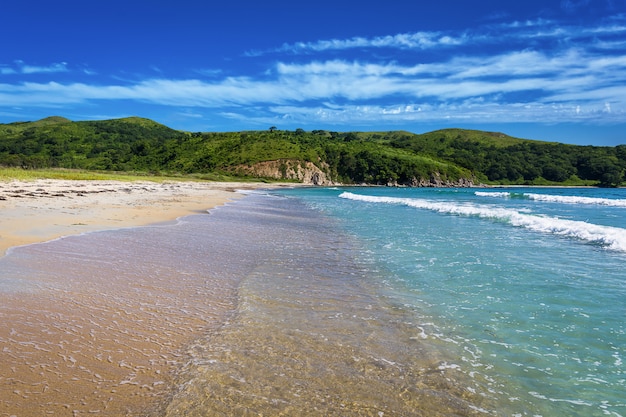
{"x": 548, "y": 70}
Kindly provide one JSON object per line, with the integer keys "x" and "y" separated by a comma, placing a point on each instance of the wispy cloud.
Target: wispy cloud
{"x": 512, "y": 85}
{"x": 532, "y": 71}
{"x": 34, "y": 69}
{"x": 215, "y": 72}
{"x": 20, "y": 67}
{"x": 418, "y": 40}
{"x": 500, "y": 33}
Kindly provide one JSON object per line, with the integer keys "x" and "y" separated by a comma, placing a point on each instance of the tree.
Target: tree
{"x": 350, "y": 137}
{"x": 556, "y": 171}
{"x": 609, "y": 173}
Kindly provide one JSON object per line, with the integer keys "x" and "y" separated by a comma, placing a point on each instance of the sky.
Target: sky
{"x": 551, "y": 70}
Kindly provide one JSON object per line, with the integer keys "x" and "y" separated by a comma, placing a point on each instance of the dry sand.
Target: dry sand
{"x": 91, "y": 346}
{"x": 42, "y": 210}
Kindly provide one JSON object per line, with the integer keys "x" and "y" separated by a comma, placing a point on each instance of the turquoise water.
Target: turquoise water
{"x": 525, "y": 287}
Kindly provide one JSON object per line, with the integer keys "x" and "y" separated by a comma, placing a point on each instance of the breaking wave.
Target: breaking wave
{"x": 564, "y": 199}
{"x": 610, "y": 237}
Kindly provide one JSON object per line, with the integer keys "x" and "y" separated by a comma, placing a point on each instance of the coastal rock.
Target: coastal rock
{"x": 309, "y": 173}
{"x": 287, "y": 169}
{"x": 435, "y": 180}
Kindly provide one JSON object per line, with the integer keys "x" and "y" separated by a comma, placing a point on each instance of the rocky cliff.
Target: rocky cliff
{"x": 287, "y": 169}
{"x": 310, "y": 174}
{"x": 435, "y": 180}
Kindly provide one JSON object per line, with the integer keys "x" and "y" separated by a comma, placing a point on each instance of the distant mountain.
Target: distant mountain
{"x": 448, "y": 157}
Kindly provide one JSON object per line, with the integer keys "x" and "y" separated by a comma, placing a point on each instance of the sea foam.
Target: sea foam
{"x": 610, "y": 237}
{"x": 550, "y": 198}
{"x": 576, "y": 199}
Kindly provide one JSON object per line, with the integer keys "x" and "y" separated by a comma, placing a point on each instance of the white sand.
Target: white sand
{"x": 41, "y": 210}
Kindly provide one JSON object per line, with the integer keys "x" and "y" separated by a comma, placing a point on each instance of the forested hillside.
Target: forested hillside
{"x": 451, "y": 156}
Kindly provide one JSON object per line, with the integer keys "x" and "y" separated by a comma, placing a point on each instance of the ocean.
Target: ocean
{"x": 369, "y": 301}
{"x": 525, "y": 288}
{"x": 405, "y": 301}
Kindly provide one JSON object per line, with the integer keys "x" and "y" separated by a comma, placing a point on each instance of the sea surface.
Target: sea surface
{"x": 404, "y": 301}
{"x": 365, "y": 301}
{"x": 524, "y": 288}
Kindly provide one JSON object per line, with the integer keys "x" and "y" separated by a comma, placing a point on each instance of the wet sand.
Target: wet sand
{"x": 98, "y": 339}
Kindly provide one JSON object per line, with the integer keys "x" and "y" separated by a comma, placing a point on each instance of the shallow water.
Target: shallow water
{"x": 314, "y": 333}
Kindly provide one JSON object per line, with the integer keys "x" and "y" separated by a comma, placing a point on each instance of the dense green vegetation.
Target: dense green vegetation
{"x": 141, "y": 145}
{"x": 502, "y": 159}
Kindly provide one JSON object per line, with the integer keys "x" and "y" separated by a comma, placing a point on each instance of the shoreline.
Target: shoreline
{"x": 45, "y": 209}
{"x": 167, "y": 320}
{"x": 99, "y": 332}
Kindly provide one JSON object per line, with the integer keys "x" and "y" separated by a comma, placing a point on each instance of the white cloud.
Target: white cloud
{"x": 486, "y": 112}
{"x": 614, "y": 94}
{"x": 517, "y": 64}
{"x": 417, "y": 40}
{"x": 20, "y": 67}
{"x": 492, "y": 34}
{"x": 470, "y": 83}
{"x": 34, "y": 69}
{"x": 209, "y": 72}
{"x": 510, "y": 79}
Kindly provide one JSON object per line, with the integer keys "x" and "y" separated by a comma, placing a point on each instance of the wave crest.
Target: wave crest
{"x": 550, "y": 198}
{"x": 610, "y": 237}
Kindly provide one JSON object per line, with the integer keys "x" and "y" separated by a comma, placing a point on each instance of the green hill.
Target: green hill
{"x": 449, "y": 156}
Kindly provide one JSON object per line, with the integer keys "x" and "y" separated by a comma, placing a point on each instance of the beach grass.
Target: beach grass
{"x": 11, "y": 173}
{"x": 7, "y": 174}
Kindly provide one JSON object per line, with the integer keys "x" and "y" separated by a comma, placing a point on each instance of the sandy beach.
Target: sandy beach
{"x": 41, "y": 210}
{"x": 84, "y": 339}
